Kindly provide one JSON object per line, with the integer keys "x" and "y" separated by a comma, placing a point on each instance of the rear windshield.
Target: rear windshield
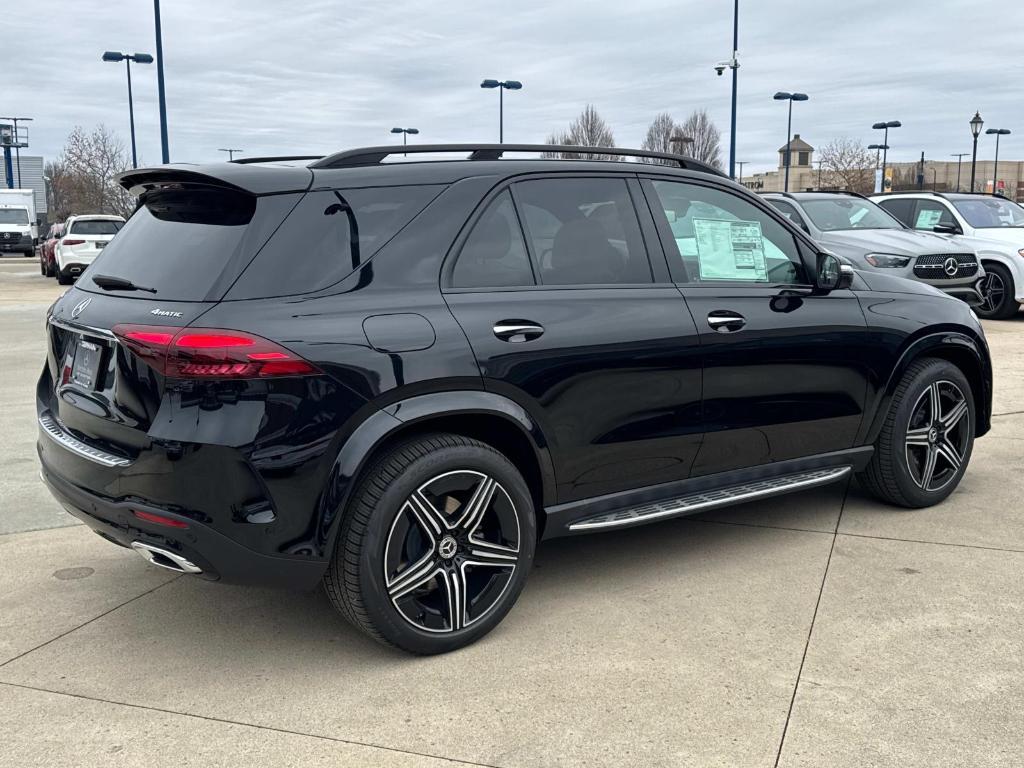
{"x": 13, "y": 216}
{"x": 95, "y": 227}
{"x": 327, "y": 236}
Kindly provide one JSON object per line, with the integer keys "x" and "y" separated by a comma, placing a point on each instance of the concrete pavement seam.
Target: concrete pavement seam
{"x": 810, "y": 631}
{"x": 90, "y": 621}
{"x": 249, "y": 725}
{"x": 935, "y": 543}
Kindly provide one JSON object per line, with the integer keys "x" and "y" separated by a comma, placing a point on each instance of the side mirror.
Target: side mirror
{"x": 947, "y": 229}
{"x": 832, "y": 274}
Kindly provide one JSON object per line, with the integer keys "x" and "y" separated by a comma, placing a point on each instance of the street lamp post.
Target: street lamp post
{"x": 790, "y": 97}
{"x": 997, "y": 132}
{"x": 231, "y": 153}
{"x": 976, "y": 123}
{"x": 502, "y": 86}
{"x": 878, "y": 157}
{"x": 885, "y": 143}
{"x": 17, "y": 141}
{"x": 741, "y": 163}
{"x": 165, "y": 151}
{"x": 405, "y": 134}
{"x": 138, "y": 58}
{"x": 959, "y": 158}
{"x": 676, "y": 141}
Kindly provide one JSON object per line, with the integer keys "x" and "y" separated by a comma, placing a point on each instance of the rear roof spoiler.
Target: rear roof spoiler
{"x": 252, "y": 179}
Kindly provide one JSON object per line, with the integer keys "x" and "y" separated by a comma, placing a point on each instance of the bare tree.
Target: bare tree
{"x": 707, "y": 139}
{"x": 587, "y": 130}
{"x": 664, "y": 135}
{"x": 847, "y": 164}
{"x": 82, "y": 177}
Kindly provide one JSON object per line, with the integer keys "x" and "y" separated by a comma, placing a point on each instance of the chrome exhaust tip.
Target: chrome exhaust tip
{"x": 165, "y": 558}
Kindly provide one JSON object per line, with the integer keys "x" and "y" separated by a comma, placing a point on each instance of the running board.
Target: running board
{"x": 720, "y": 497}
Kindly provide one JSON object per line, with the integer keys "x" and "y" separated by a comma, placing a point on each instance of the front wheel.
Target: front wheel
{"x": 436, "y": 545}
{"x": 999, "y": 301}
{"x": 925, "y": 444}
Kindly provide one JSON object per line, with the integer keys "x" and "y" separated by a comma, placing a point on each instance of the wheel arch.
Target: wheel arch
{"x": 484, "y": 416}
{"x": 958, "y": 348}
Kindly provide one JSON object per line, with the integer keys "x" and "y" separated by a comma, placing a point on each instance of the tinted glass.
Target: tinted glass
{"x": 931, "y": 213}
{"x": 990, "y": 212}
{"x": 13, "y": 216}
{"x": 901, "y": 208}
{"x": 178, "y": 242}
{"x": 583, "y": 231}
{"x": 789, "y": 212}
{"x": 327, "y": 236}
{"x": 494, "y": 254}
{"x": 841, "y": 212}
{"x": 95, "y": 227}
{"x": 720, "y": 237}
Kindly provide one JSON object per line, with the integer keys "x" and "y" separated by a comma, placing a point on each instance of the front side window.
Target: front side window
{"x": 720, "y": 237}
{"x": 787, "y": 210}
{"x": 832, "y": 214}
{"x": 990, "y": 213}
{"x": 494, "y": 255}
{"x": 583, "y": 231}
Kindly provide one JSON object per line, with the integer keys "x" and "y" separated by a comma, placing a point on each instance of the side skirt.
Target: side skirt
{"x": 687, "y": 497}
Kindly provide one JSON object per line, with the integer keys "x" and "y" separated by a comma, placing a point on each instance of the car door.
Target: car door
{"x": 569, "y": 316}
{"x": 784, "y": 375}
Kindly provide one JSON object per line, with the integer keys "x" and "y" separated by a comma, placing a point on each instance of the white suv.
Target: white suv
{"x": 84, "y": 237}
{"x": 990, "y": 225}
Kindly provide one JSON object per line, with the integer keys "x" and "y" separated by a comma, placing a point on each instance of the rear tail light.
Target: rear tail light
{"x": 150, "y": 517}
{"x": 210, "y": 353}
{"x": 72, "y": 242}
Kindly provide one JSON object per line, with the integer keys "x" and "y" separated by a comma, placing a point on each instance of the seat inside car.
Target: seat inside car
{"x": 581, "y": 253}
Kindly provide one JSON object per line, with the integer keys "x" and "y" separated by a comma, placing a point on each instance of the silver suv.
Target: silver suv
{"x": 864, "y": 234}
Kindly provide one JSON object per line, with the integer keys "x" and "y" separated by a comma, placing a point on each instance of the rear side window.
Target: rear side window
{"x": 583, "y": 231}
{"x": 494, "y": 255}
{"x": 327, "y": 236}
{"x": 178, "y": 242}
{"x": 96, "y": 227}
{"x": 789, "y": 212}
{"x": 901, "y": 208}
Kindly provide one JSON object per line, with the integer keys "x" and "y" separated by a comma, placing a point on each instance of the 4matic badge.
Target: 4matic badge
{"x": 164, "y": 313}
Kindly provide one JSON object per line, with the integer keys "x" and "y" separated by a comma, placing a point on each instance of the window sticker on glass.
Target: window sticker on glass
{"x": 730, "y": 250}
{"x": 927, "y": 219}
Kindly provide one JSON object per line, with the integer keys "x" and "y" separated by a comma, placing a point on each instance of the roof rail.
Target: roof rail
{"x": 270, "y": 159}
{"x": 374, "y": 155}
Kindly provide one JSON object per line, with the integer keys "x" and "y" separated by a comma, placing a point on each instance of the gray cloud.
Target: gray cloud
{"x": 321, "y": 75}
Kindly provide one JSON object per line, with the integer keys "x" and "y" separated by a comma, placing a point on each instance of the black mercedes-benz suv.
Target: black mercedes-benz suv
{"x": 397, "y": 377}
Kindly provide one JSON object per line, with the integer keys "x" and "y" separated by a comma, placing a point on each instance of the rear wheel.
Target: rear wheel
{"x": 925, "y": 444}
{"x": 64, "y": 278}
{"x": 436, "y": 545}
{"x": 998, "y": 293}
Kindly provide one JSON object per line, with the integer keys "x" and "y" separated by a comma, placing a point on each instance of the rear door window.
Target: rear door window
{"x": 901, "y": 208}
{"x": 494, "y": 255}
{"x": 327, "y": 236}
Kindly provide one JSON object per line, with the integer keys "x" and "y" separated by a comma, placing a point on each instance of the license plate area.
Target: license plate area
{"x": 99, "y": 244}
{"x": 85, "y": 369}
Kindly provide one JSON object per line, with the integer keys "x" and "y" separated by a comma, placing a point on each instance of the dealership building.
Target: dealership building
{"x": 941, "y": 176}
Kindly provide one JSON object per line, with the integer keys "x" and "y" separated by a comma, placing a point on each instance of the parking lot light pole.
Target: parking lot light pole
{"x": 885, "y": 143}
{"x": 976, "y": 124}
{"x": 138, "y": 58}
{"x": 997, "y": 132}
{"x": 959, "y": 159}
{"x": 790, "y": 97}
{"x": 405, "y": 135}
{"x": 739, "y": 175}
{"x": 502, "y": 86}
{"x": 231, "y": 153}
{"x": 679, "y": 143}
{"x": 165, "y": 151}
{"x": 878, "y": 157}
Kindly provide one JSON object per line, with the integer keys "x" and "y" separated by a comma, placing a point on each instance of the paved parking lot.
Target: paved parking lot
{"x": 810, "y": 630}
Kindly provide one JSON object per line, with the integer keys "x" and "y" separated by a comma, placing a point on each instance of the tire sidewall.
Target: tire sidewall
{"x": 383, "y": 614}
{"x": 1008, "y": 307}
{"x": 939, "y": 370}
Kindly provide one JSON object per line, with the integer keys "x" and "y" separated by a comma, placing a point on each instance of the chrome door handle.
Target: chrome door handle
{"x": 724, "y": 321}
{"x": 517, "y": 331}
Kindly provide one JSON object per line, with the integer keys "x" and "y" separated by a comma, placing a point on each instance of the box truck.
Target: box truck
{"x": 19, "y": 230}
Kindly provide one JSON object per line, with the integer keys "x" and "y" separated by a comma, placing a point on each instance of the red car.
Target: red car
{"x": 47, "y": 248}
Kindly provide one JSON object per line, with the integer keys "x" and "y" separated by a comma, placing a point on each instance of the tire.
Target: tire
{"x": 907, "y": 441}
{"x": 49, "y": 271}
{"x": 401, "y": 573}
{"x": 42, "y": 266}
{"x": 64, "y": 278}
{"x": 998, "y": 292}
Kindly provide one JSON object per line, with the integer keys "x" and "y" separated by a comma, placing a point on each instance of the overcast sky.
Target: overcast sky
{"x": 322, "y": 75}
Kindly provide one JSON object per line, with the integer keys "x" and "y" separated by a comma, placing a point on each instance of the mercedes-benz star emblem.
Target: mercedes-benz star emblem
{"x": 447, "y": 548}
{"x": 7, "y": 235}
{"x": 950, "y": 266}
{"x": 80, "y": 307}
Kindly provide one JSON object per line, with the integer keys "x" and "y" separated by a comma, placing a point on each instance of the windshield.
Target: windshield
{"x": 990, "y": 213}
{"x": 831, "y": 214}
{"x": 95, "y": 227}
{"x": 13, "y": 216}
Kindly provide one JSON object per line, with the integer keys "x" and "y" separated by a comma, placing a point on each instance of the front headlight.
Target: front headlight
{"x": 887, "y": 260}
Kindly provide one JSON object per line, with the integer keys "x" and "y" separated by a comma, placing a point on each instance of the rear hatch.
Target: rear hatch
{"x": 168, "y": 265}
{"x": 87, "y": 237}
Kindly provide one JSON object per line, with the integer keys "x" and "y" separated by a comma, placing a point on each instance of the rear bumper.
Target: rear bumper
{"x": 217, "y": 557}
